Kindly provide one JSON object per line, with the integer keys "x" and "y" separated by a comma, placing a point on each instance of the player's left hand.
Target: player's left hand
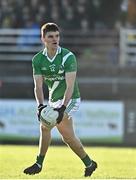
{"x": 61, "y": 113}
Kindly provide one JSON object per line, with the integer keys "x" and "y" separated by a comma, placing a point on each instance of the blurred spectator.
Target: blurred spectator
{"x": 84, "y": 25}
{"x": 69, "y": 21}
{"x": 69, "y": 14}
{"x": 55, "y": 11}
{"x": 113, "y": 54}
{"x": 27, "y": 39}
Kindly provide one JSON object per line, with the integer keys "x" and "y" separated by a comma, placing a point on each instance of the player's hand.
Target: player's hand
{"x": 40, "y": 107}
{"x": 61, "y": 113}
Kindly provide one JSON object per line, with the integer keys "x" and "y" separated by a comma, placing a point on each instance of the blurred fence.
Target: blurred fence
{"x": 22, "y": 44}
{"x": 19, "y": 44}
{"x": 99, "y": 74}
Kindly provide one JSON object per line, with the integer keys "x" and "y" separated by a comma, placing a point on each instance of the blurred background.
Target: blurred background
{"x": 102, "y": 34}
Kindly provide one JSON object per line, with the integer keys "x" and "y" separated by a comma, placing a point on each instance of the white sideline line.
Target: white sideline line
{"x": 80, "y": 179}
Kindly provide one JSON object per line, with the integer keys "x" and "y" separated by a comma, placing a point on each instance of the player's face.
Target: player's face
{"x": 51, "y": 39}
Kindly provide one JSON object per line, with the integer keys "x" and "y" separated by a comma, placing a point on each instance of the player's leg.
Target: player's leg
{"x": 44, "y": 142}
{"x": 67, "y": 131}
{"x": 45, "y": 139}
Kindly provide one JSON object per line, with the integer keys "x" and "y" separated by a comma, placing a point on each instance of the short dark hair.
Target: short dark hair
{"x": 49, "y": 27}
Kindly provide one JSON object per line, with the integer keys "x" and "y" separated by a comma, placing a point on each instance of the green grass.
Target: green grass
{"x": 61, "y": 163}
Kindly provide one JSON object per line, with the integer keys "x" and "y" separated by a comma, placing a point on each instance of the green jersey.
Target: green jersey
{"x": 53, "y": 71}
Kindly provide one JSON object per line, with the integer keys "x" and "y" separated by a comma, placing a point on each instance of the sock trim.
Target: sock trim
{"x": 39, "y": 165}
{"x": 89, "y": 165}
{"x": 87, "y": 161}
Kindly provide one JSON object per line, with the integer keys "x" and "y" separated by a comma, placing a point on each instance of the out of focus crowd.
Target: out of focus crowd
{"x": 69, "y": 14}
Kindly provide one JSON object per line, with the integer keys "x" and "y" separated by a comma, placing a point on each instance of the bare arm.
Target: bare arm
{"x": 70, "y": 81}
{"x": 38, "y": 89}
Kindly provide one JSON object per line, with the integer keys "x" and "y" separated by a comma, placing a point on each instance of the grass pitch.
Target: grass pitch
{"x": 62, "y": 163}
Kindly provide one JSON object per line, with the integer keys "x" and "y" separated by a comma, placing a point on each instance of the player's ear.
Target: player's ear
{"x": 42, "y": 39}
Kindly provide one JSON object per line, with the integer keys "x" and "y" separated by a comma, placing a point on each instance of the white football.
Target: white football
{"x": 49, "y": 116}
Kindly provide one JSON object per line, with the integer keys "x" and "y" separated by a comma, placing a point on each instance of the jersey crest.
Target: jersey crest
{"x": 52, "y": 67}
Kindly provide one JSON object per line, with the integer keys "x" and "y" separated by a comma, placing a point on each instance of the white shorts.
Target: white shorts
{"x": 72, "y": 106}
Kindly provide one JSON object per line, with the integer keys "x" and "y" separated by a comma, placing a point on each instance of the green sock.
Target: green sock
{"x": 86, "y": 160}
{"x": 40, "y": 159}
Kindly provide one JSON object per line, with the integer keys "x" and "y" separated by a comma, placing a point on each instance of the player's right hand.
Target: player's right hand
{"x": 40, "y": 107}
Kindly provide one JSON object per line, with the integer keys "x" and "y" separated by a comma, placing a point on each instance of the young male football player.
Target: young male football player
{"x": 57, "y": 67}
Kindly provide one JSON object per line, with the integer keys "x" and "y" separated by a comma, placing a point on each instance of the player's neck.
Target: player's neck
{"x": 51, "y": 52}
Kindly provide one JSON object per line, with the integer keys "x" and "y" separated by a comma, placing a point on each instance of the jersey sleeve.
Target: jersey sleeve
{"x": 71, "y": 64}
{"x": 36, "y": 66}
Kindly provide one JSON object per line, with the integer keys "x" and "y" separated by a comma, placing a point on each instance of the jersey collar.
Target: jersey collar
{"x": 57, "y": 52}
